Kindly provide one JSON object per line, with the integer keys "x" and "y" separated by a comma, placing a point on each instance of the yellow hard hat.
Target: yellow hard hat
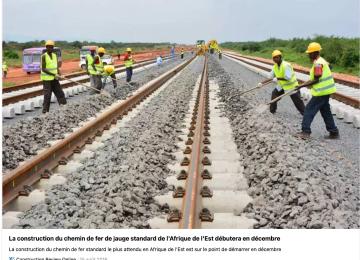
{"x": 109, "y": 69}
{"x": 313, "y": 47}
{"x": 128, "y": 49}
{"x": 276, "y": 53}
{"x": 50, "y": 43}
{"x": 101, "y": 50}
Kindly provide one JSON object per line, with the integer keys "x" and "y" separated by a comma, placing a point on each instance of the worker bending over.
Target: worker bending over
{"x": 95, "y": 68}
{"x": 159, "y": 60}
{"x": 109, "y": 71}
{"x": 129, "y": 62}
{"x": 283, "y": 73}
{"x": 50, "y": 76}
{"x": 322, "y": 85}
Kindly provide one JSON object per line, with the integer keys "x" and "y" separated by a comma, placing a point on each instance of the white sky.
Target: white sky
{"x": 182, "y": 21}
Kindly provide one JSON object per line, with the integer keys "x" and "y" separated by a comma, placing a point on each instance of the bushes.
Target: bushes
{"x": 350, "y": 58}
{"x": 11, "y": 55}
{"x": 338, "y": 51}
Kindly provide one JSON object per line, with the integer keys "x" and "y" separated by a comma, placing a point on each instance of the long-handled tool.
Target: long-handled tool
{"x": 102, "y": 91}
{"x": 263, "y": 107}
{"x": 250, "y": 90}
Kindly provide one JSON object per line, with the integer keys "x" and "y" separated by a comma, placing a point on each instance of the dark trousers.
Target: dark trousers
{"x": 315, "y": 105}
{"x": 49, "y": 87}
{"x": 129, "y": 72}
{"x": 296, "y": 99}
{"x": 182, "y": 55}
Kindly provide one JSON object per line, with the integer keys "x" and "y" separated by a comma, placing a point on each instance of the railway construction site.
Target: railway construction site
{"x": 179, "y": 148}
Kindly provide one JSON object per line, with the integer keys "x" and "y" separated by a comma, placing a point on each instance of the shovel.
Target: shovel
{"x": 103, "y": 92}
{"x": 262, "y": 108}
{"x": 250, "y": 90}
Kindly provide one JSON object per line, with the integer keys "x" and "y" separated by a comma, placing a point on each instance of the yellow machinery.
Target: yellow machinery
{"x": 201, "y": 48}
{"x": 213, "y": 46}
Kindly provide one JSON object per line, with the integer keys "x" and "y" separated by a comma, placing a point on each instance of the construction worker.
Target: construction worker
{"x": 220, "y": 54}
{"x": 182, "y": 53}
{"x": 172, "y": 52}
{"x": 283, "y": 73}
{"x": 159, "y": 60}
{"x": 4, "y": 69}
{"x": 322, "y": 85}
{"x": 129, "y": 62}
{"x": 95, "y": 68}
{"x": 109, "y": 71}
{"x": 50, "y": 76}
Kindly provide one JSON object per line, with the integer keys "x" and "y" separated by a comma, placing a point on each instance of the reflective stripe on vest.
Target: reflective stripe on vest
{"x": 326, "y": 84}
{"x": 280, "y": 73}
{"x": 128, "y": 63}
{"x": 51, "y": 65}
{"x": 100, "y": 66}
{"x": 90, "y": 62}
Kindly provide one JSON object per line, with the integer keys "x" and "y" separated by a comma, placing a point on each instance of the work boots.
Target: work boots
{"x": 333, "y": 136}
{"x": 303, "y": 135}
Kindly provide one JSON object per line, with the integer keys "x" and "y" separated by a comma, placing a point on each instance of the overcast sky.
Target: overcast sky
{"x": 182, "y": 21}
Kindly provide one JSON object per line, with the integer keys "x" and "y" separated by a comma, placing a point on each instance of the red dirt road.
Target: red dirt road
{"x": 18, "y": 76}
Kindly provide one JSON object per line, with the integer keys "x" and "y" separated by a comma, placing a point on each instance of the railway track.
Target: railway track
{"x": 34, "y": 89}
{"x": 347, "y": 91}
{"x": 18, "y": 181}
{"x": 209, "y": 189}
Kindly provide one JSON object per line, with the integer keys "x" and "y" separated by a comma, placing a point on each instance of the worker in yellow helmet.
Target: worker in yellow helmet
{"x": 220, "y": 54}
{"x": 95, "y": 68}
{"x": 129, "y": 62}
{"x": 5, "y": 69}
{"x": 283, "y": 73}
{"x": 109, "y": 71}
{"x": 50, "y": 76}
{"x": 322, "y": 85}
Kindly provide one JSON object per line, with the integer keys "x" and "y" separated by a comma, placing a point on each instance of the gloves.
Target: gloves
{"x": 259, "y": 85}
{"x": 274, "y": 80}
{"x": 57, "y": 77}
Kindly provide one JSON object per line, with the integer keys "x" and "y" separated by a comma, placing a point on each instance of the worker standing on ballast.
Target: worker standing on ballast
{"x": 5, "y": 69}
{"x": 95, "y": 68}
{"x": 283, "y": 73}
{"x": 220, "y": 54}
{"x": 129, "y": 62}
{"x": 322, "y": 85}
{"x": 182, "y": 53}
{"x": 50, "y": 77}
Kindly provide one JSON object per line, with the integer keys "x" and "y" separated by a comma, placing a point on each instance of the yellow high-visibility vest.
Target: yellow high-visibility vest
{"x": 326, "y": 84}
{"x": 128, "y": 63}
{"x": 51, "y": 64}
{"x": 280, "y": 73}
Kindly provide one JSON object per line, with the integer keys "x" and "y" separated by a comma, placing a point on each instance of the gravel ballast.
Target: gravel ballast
{"x": 294, "y": 183}
{"x": 23, "y": 139}
{"x": 115, "y": 188}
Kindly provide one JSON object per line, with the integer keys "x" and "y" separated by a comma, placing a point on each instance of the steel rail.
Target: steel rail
{"x": 39, "y": 92}
{"x": 338, "y": 96}
{"x": 16, "y": 181}
{"x": 191, "y": 206}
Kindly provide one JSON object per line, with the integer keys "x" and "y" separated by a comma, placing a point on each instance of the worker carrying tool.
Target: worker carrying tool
{"x": 50, "y": 76}
{"x": 129, "y": 62}
{"x": 283, "y": 73}
{"x": 95, "y": 68}
{"x": 322, "y": 85}
{"x": 5, "y": 69}
{"x": 182, "y": 53}
{"x": 109, "y": 71}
